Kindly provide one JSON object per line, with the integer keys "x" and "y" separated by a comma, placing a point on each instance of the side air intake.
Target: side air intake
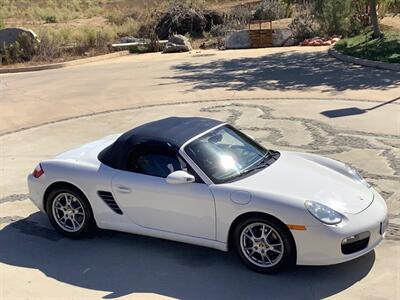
{"x": 110, "y": 201}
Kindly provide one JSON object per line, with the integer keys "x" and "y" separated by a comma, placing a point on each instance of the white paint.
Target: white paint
{"x": 202, "y": 214}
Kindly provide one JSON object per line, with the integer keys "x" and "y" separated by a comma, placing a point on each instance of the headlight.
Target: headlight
{"x": 323, "y": 213}
{"x": 357, "y": 177}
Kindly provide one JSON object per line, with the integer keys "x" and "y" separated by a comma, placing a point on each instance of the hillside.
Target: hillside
{"x": 33, "y": 13}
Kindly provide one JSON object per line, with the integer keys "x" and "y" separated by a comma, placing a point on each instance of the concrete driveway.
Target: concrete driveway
{"x": 299, "y": 100}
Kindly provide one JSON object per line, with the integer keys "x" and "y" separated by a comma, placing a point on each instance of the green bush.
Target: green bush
{"x": 50, "y": 19}
{"x": 270, "y": 10}
{"x": 334, "y": 16}
{"x": 22, "y": 50}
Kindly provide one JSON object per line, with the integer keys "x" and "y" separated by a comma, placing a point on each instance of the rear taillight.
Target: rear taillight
{"x": 38, "y": 171}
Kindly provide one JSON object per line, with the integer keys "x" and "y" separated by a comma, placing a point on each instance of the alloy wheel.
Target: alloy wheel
{"x": 68, "y": 212}
{"x": 262, "y": 245}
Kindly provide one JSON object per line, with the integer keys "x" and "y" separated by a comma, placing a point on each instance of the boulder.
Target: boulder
{"x": 177, "y": 43}
{"x": 281, "y": 36}
{"x": 9, "y": 36}
{"x": 238, "y": 40}
{"x": 290, "y": 42}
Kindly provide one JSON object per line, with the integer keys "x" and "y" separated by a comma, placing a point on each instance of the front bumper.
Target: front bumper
{"x": 321, "y": 245}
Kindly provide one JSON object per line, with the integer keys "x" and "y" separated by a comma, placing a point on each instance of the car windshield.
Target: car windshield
{"x": 225, "y": 154}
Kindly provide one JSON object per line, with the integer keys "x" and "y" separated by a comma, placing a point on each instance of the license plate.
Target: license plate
{"x": 384, "y": 226}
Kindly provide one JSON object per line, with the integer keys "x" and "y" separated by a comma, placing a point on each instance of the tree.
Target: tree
{"x": 374, "y": 19}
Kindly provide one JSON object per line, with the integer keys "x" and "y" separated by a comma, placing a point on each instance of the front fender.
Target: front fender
{"x": 290, "y": 211}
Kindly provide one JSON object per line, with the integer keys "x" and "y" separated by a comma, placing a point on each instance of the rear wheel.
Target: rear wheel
{"x": 264, "y": 245}
{"x": 69, "y": 212}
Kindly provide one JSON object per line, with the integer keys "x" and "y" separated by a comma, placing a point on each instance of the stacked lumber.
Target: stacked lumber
{"x": 260, "y": 38}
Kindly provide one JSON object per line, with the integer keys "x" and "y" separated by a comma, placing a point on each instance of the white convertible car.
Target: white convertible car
{"x": 201, "y": 181}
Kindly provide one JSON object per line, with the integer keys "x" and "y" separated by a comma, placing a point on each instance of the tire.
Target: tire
{"x": 264, "y": 253}
{"x": 78, "y": 221}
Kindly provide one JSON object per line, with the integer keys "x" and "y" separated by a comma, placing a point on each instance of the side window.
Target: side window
{"x": 160, "y": 165}
{"x": 157, "y": 160}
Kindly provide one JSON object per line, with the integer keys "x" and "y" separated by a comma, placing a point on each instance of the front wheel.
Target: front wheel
{"x": 69, "y": 212}
{"x": 264, "y": 245}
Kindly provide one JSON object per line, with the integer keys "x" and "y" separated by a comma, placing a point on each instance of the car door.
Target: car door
{"x": 151, "y": 202}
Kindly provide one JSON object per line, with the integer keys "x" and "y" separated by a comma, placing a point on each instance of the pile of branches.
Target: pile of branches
{"x": 183, "y": 20}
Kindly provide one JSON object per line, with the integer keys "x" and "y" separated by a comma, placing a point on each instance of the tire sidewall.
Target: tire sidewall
{"x": 288, "y": 257}
{"x": 89, "y": 221}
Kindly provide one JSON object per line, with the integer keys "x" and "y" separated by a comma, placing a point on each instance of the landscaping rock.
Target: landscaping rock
{"x": 281, "y": 36}
{"x": 9, "y": 36}
{"x": 177, "y": 43}
{"x": 238, "y": 40}
{"x": 290, "y": 42}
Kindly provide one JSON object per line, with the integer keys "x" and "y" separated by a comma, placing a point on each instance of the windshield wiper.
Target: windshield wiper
{"x": 260, "y": 165}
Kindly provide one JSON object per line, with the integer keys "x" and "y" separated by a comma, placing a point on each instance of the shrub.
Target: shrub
{"x": 64, "y": 41}
{"x": 22, "y": 50}
{"x": 334, "y": 16}
{"x": 91, "y": 37}
{"x": 129, "y": 28}
{"x": 303, "y": 24}
{"x": 50, "y": 19}
{"x": 10, "y": 54}
{"x": 219, "y": 33}
{"x": 238, "y": 17}
{"x": 117, "y": 17}
{"x": 49, "y": 46}
{"x": 270, "y": 10}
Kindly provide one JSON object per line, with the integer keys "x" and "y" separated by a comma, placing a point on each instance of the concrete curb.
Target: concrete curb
{"x": 63, "y": 64}
{"x": 364, "y": 62}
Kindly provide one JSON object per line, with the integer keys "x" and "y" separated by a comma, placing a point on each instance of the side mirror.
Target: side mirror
{"x": 180, "y": 177}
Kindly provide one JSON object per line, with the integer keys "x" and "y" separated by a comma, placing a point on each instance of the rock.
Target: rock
{"x": 181, "y": 20}
{"x": 280, "y": 36}
{"x": 10, "y": 36}
{"x": 238, "y": 40}
{"x": 177, "y": 43}
{"x": 290, "y": 42}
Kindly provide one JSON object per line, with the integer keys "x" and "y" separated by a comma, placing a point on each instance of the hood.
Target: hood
{"x": 304, "y": 179}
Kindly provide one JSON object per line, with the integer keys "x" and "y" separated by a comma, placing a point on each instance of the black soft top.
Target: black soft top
{"x": 170, "y": 132}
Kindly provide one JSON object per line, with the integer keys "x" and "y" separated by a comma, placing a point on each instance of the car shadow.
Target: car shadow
{"x": 122, "y": 264}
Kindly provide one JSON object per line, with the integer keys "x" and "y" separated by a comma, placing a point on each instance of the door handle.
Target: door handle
{"x": 123, "y": 189}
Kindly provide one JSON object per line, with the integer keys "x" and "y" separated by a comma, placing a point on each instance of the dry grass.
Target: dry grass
{"x": 391, "y": 22}
{"x": 87, "y": 27}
